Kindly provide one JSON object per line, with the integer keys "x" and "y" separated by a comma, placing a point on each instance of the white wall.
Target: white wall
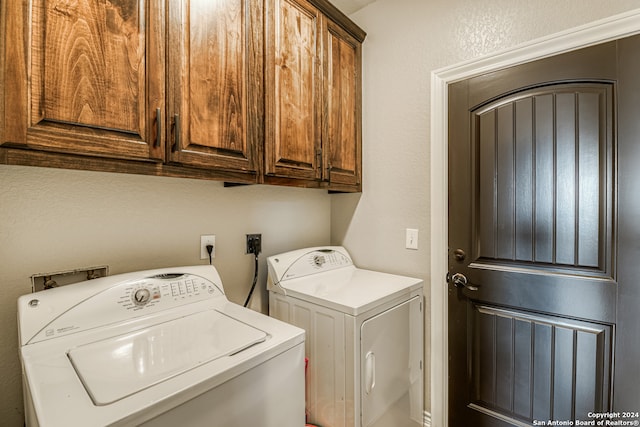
{"x": 406, "y": 41}
{"x": 53, "y": 220}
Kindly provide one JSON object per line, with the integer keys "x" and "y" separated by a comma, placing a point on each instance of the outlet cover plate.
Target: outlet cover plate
{"x": 411, "y": 238}
{"x": 205, "y": 240}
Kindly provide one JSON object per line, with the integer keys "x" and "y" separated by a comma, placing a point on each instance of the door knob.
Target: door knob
{"x": 460, "y": 280}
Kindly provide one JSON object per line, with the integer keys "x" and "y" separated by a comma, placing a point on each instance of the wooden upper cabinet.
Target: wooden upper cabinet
{"x": 342, "y": 130}
{"x": 313, "y": 95}
{"x": 294, "y": 85}
{"x": 215, "y": 83}
{"x": 91, "y": 81}
{"x": 244, "y": 91}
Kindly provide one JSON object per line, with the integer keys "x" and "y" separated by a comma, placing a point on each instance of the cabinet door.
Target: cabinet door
{"x": 215, "y": 84}
{"x": 85, "y": 77}
{"x": 294, "y": 86}
{"x": 342, "y": 127}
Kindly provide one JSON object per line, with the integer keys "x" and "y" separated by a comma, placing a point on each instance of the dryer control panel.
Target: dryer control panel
{"x": 304, "y": 262}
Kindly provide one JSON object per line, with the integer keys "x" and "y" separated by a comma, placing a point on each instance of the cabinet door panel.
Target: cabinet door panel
{"x": 90, "y": 78}
{"x": 215, "y": 92}
{"x": 91, "y": 66}
{"x": 293, "y": 103}
{"x": 342, "y": 129}
{"x": 215, "y": 98}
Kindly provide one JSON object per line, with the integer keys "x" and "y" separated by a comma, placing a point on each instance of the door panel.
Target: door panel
{"x": 391, "y": 367}
{"x": 544, "y": 167}
{"x": 531, "y": 366}
{"x": 342, "y": 140}
{"x": 293, "y": 127}
{"x": 103, "y": 42}
{"x": 535, "y": 172}
{"x": 96, "y": 78}
{"x": 215, "y": 92}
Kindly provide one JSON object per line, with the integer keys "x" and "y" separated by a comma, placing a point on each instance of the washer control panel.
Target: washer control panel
{"x": 107, "y": 301}
{"x": 165, "y": 290}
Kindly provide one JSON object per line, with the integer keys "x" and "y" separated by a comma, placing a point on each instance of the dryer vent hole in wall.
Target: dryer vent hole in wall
{"x": 43, "y": 281}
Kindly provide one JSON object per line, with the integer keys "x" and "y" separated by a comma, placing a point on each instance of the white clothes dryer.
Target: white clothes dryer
{"x": 364, "y": 339}
{"x": 157, "y": 348}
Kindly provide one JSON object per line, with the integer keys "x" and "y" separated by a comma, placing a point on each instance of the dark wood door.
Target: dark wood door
{"x": 542, "y": 165}
{"x": 215, "y": 84}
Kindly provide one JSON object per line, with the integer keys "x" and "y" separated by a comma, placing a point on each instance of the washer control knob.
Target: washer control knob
{"x": 141, "y": 296}
{"x": 318, "y": 260}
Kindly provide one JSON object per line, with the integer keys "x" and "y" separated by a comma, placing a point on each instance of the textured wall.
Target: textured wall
{"x": 53, "y": 220}
{"x": 406, "y": 41}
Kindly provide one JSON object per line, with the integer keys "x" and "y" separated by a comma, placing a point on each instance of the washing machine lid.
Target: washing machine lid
{"x": 117, "y": 367}
{"x": 350, "y": 290}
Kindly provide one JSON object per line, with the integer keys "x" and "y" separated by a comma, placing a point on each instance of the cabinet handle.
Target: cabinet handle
{"x": 158, "y": 127}
{"x": 176, "y": 135}
{"x": 319, "y": 161}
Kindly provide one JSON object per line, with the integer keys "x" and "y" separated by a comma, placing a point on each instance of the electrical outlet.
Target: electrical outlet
{"x": 204, "y": 241}
{"x": 254, "y": 244}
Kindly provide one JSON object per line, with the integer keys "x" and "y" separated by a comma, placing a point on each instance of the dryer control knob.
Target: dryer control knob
{"x": 141, "y": 296}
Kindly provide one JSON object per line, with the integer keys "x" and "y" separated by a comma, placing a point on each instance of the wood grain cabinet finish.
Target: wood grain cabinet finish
{"x": 294, "y": 76}
{"x": 132, "y": 80}
{"x": 313, "y": 96}
{"x": 342, "y": 126}
{"x": 184, "y": 88}
{"x": 84, "y": 77}
{"x": 216, "y": 93}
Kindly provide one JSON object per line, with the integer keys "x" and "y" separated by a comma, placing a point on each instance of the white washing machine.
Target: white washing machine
{"x": 364, "y": 339}
{"x": 157, "y": 348}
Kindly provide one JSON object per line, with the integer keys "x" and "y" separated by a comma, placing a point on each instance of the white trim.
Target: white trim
{"x": 614, "y": 27}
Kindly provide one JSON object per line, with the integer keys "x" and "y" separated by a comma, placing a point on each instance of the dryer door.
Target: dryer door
{"x": 391, "y": 366}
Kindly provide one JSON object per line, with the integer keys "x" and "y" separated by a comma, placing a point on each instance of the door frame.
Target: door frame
{"x": 607, "y": 29}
